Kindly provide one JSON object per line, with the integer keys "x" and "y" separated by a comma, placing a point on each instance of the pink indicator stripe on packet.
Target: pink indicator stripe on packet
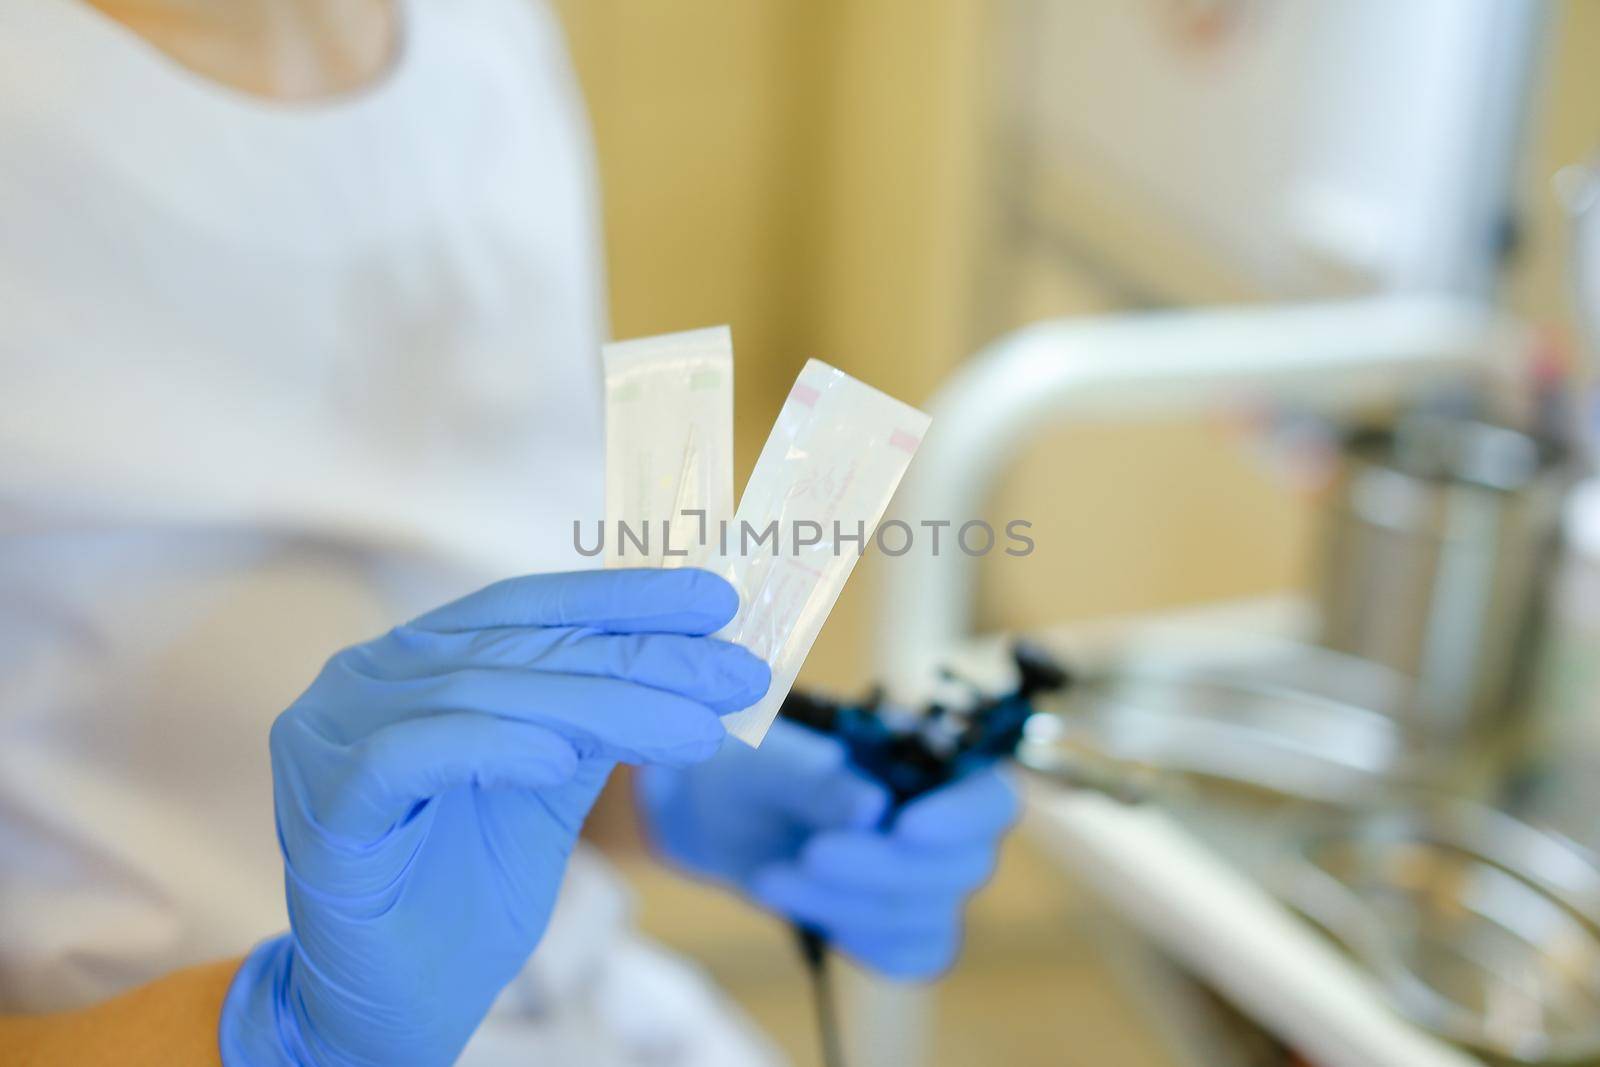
{"x": 804, "y": 394}
{"x": 905, "y": 442}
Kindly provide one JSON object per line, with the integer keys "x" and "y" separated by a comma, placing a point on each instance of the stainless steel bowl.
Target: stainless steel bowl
{"x": 1480, "y": 928}
{"x": 1304, "y": 724}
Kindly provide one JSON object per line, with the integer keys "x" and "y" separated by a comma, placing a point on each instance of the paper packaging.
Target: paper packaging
{"x": 669, "y": 445}
{"x": 836, "y": 454}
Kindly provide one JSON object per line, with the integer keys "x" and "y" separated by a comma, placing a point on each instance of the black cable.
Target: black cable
{"x": 814, "y": 950}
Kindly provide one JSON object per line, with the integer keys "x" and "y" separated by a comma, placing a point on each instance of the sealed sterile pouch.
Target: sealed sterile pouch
{"x": 822, "y": 482}
{"x": 669, "y": 447}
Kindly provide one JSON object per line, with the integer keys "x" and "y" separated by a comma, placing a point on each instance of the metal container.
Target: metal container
{"x": 1300, "y": 724}
{"x": 1439, "y": 547}
{"x": 1478, "y": 927}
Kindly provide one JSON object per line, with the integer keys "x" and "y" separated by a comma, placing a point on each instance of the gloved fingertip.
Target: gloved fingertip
{"x": 710, "y": 595}
{"x": 980, "y": 807}
{"x": 920, "y": 959}
{"x": 842, "y": 799}
{"x": 757, "y": 677}
{"x": 744, "y": 677}
{"x": 868, "y": 805}
{"x": 697, "y": 750}
{"x": 918, "y": 966}
{"x": 776, "y": 886}
{"x": 683, "y": 743}
{"x": 713, "y": 732}
{"x": 556, "y": 763}
{"x": 841, "y": 857}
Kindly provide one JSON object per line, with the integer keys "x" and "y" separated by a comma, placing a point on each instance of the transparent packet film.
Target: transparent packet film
{"x": 669, "y": 447}
{"x": 830, "y": 467}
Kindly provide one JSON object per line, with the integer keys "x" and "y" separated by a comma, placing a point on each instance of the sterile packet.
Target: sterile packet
{"x": 830, "y": 467}
{"x": 669, "y": 446}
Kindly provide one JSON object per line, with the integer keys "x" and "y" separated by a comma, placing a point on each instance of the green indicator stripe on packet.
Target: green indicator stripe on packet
{"x": 631, "y": 391}
{"x": 705, "y": 379}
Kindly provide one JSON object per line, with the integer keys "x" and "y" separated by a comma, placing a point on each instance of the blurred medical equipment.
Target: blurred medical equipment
{"x": 1339, "y": 358}
{"x": 1481, "y": 928}
{"x": 1223, "y": 928}
{"x": 870, "y": 829}
{"x": 1204, "y": 734}
{"x": 1229, "y": 923}
{"x": 797, "y": 827}
{"x": 1244, "y": 161}
{"x": 1569, "y": 671}
{"x": 1347, "y": 356}
{"x": 1289, "y": 721}
{"x": 1578, "y": 186}
{"x": 1559, "y": 784}
{"x": 914, "y": 752}
{"x": 1439, "y": 547}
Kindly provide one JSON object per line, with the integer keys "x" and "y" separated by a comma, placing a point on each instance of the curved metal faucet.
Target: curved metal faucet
{"x": 1332, "y": 356}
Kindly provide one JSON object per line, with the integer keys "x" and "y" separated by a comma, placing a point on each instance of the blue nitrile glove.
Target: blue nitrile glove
{"x": 793, "y": 826}
{"x": 430, "y": 786}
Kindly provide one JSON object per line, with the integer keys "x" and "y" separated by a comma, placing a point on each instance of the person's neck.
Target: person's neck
{"x": 280, "y": 49}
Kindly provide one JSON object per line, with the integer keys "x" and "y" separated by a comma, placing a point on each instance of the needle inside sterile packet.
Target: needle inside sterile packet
{"x": 821, "y": 484}
{"x": 819, "y": 489}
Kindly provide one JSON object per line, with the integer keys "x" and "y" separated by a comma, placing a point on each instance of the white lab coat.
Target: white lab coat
{"x": 274, "y": 377}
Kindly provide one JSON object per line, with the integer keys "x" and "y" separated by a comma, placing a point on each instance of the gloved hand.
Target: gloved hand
{"x": 793, "y": 826}
{"x": 429, "y": 788}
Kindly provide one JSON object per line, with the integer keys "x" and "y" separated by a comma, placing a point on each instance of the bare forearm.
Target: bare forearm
{"x": 171, "y": 1022}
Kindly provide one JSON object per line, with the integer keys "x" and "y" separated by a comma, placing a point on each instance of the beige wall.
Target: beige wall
{"x": 803, "y": 171}
{"x": 813, "y": 171}
{"x": 701, "y": 113}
